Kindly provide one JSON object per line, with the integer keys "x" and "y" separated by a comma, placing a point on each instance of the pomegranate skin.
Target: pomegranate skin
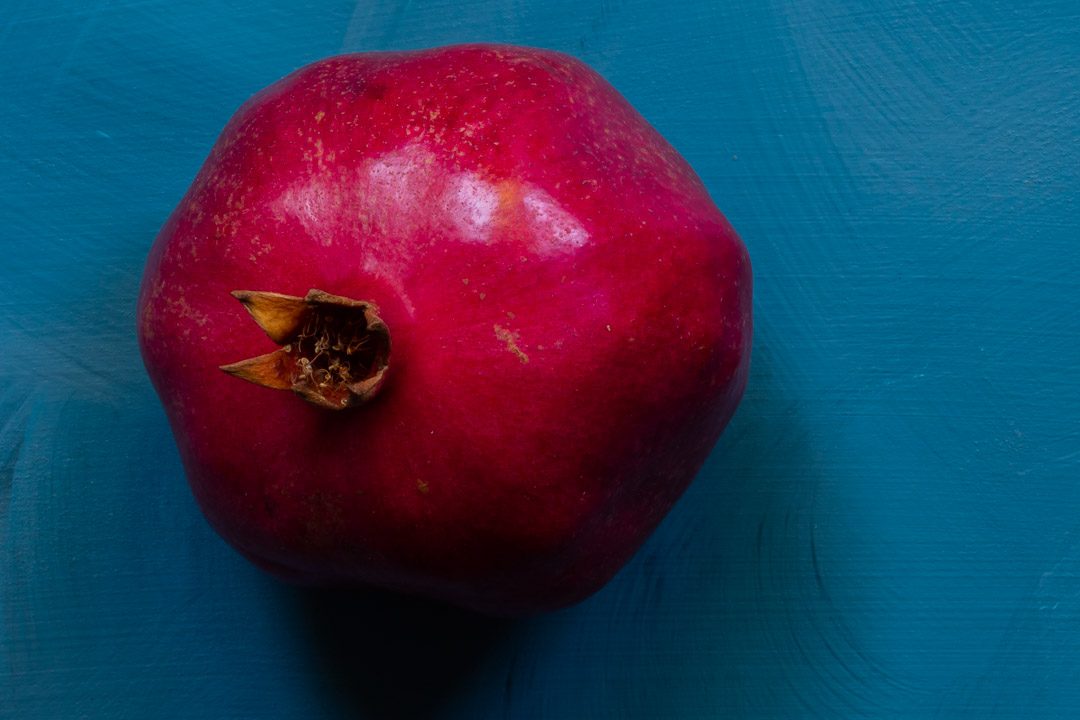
{"x": 570, "y": 318}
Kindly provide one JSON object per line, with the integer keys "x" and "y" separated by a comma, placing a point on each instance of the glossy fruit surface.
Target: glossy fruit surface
{"x": 567, "y": 322}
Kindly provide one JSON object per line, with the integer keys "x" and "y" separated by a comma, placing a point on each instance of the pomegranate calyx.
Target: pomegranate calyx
{"x": 334, "y": 350}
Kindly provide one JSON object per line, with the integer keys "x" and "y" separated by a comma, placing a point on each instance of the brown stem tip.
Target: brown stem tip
{"x": 334, "y": 350}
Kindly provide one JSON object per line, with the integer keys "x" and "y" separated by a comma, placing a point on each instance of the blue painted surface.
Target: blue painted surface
{"x": 891, "y": 525}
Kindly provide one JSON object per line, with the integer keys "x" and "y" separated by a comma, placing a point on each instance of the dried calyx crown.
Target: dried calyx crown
{"x": 334, "y": 350}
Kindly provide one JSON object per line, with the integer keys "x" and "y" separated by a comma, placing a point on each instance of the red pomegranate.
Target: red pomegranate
{"x": 512, "y": 321}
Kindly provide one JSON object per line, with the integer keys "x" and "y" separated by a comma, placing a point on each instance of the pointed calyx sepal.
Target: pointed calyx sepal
{"x": 334, "y": 350}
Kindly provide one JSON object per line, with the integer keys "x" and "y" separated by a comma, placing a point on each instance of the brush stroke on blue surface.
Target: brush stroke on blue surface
{"x": 889, "y": 528}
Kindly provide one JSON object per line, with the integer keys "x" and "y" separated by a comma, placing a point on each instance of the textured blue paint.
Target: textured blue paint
{"x": 891, "y": 526}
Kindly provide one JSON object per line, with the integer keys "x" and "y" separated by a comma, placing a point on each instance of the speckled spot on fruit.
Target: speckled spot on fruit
{"x": 510, "y": 338}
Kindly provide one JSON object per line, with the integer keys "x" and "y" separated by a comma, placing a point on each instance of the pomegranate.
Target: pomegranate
{"x": 494, "y": 324}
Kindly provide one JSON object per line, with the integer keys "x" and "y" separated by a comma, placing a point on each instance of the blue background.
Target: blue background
{"x": 889, "y": 528}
